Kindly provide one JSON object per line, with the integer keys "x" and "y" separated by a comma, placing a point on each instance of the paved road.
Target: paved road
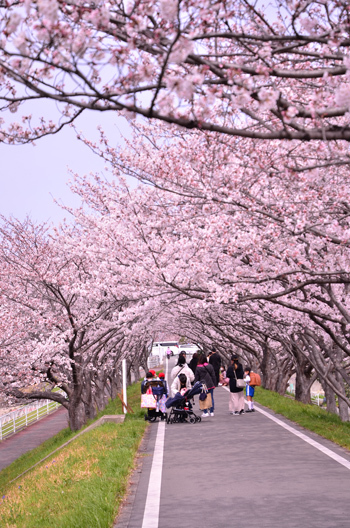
{"x": 225, "y": 471}
{"x": 238, "y": 471}
{"x": 32, "y": 436}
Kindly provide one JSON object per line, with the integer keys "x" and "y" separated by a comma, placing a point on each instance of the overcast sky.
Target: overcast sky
{"x": 32, "y": 176}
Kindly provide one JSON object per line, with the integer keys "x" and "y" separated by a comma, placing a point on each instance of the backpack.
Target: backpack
{"x": 255, "y": 380}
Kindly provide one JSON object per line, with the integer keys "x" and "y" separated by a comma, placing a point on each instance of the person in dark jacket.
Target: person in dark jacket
{"x": 193, "y": 363}
{"x": 205, "y": 374}
{"x": 235, "y": 371}
{"x": 215, "y": 361}
{"x": 145, "y": 384}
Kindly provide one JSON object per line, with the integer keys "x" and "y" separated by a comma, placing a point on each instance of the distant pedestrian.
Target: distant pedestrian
{"x": 168, "y": 353}
{"x": 183, "y": 354}
{"x": 249, "y": 390}
{"x": 223, "y": 380}
{"x": 193, "y": 363}
{"x": 205, "y": 374}
{"x": 234, "y": 372}
{"x": 215, "y": 361}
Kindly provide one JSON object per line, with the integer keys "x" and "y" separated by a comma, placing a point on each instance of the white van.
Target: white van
{"x": 189, "y": 348}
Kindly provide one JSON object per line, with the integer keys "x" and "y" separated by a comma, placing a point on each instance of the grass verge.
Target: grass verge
{"x": 310, "y": 417}
{"x": 80, "y": 486}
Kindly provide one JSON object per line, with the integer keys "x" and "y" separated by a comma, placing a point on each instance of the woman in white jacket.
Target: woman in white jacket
{"x": 183, "y": 368}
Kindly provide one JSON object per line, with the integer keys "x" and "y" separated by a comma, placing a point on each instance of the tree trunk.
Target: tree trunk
{"x": 89, "y": 404}
{"x": 128, "y": 373}
{"x": 115, "y": 383}
{"x": 343, "y": 410}
{"x": 330, "y": 399}
{"x": 144, "y": 364}
{"x": 76, "y": 415}
{"x": 268, "y": 369}
{"x": 343, "y": 406}
{"x": 282, "y": 382}
{"x": 302, "y": 385}
{"x": 136, "y": 369}
{"x": 100, "y": 396}
{"x": 303, "y": 374}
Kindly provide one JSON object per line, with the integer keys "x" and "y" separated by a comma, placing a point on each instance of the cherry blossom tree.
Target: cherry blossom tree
{"x": 68, "y": 326}
{"x": 233, "y": 67}
{"x": 139, "y": 259}
{"x": 228, "y": 225}
{"x": 241, "y": 239}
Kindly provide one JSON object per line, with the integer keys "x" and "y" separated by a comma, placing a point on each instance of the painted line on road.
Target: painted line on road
{"x": 305, "y": 438}
{"x": 151, "y": 513}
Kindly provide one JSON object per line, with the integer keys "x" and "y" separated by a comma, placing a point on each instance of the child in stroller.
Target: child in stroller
{"x": 182, "y": 407}
{"x": 158, "y": 387}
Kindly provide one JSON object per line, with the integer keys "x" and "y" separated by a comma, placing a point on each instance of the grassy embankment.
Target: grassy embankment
{"x": 80, "y": 486}
{"x": 310, "y": 417}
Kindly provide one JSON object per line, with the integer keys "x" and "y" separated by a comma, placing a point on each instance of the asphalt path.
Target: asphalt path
{"x": 32, "y": 436}
{"x": 236, "y": 471}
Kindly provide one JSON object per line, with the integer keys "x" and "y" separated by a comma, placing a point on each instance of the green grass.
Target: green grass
{"x": 310, "y": 417}
{"x": 81, "y": 485}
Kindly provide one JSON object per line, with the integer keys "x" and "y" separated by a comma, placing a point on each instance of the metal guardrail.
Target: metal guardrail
{"x": 316, "y": 397}
{"x": 153, "y": 361}
{"x": 16, "y": 420}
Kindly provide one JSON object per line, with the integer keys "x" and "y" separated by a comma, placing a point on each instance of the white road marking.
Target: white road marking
{"x": 305, "y": 438}
{"x": 151, "y": 513}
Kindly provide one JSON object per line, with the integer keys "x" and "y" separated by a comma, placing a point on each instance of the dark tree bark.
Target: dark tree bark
{"x": 330, "y": 399}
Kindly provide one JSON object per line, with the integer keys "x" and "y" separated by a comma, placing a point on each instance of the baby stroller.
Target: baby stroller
{"x": 182, "y": 407}
{"x": 158, "y": 390}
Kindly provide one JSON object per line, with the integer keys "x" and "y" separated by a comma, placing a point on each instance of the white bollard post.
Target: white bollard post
{"x": 124, "y": 385}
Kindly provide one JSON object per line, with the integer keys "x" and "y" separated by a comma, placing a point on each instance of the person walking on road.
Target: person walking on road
{"x": 249, "y": 390}
{"x": 193, "y": 363}
{"x": 182, "y": 367}
{"x": 215, "y": 361}
{"x": 205, "y": 374}
{"x": 234, "y": 372}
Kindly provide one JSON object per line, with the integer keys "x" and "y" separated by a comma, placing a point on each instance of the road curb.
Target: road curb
{"x": 126, "y": 508}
